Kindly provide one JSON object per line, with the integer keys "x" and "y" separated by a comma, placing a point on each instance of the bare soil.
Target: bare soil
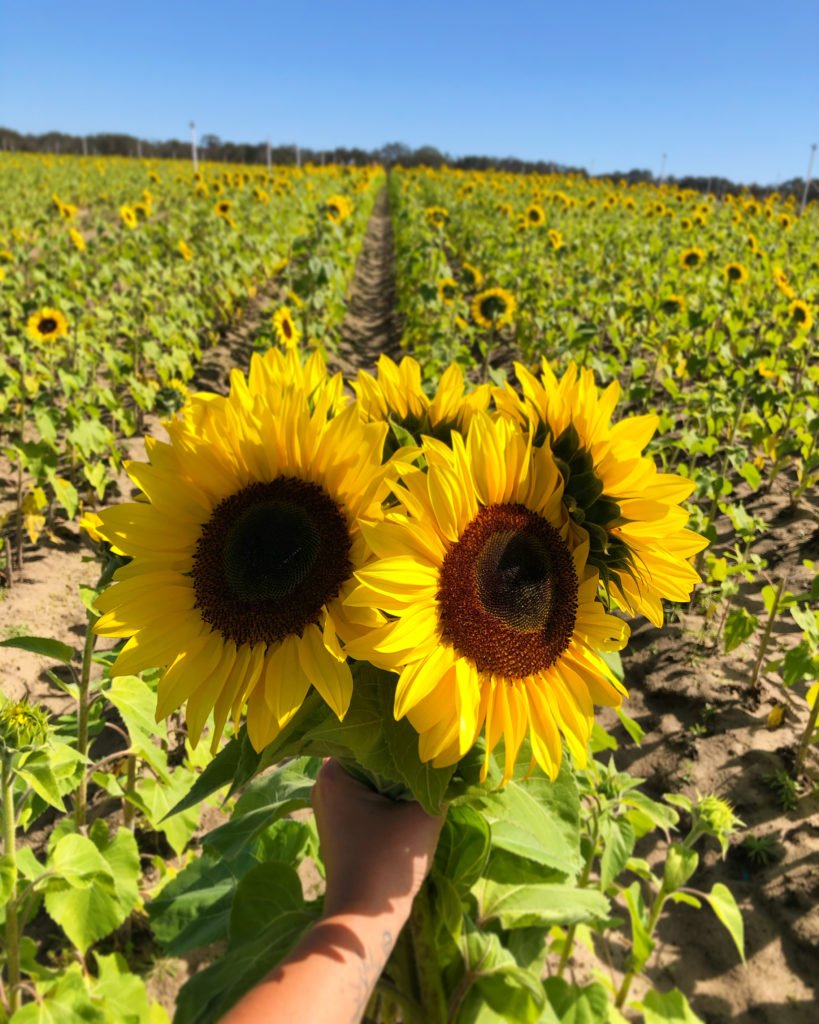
{"x": 705, "y": 727}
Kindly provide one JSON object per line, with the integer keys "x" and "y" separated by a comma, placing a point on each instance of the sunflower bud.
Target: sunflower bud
{"x": 715, "y": 817}
{"x": 23, "y": 726}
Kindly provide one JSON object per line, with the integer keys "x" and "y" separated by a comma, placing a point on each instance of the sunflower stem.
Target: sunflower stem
{"x": 766, "y": 636}
{"x": 10, "y": 855}
{"x": 582, "y": 882}
{"x": 128, "y": 808}
{"x": 430, "y": 983}
{"x": 654, "y": 917}
{"x": 804, "y": 743}
{"x": 81, "y": 798}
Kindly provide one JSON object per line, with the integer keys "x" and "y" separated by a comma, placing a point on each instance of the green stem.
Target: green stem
{"x": 654, "y": 917}
{"x": 10, "y": 853}
{"x": 804, "y": 743}
{"x": 81, "y": 799}
{"x": 582, "y": 882}
{"x": 128, "y": 808}
{"x": 430, "y": 983}
{"x": 766, "y": 636}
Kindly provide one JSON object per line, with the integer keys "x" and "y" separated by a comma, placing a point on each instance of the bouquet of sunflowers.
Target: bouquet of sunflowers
{"x": 403, "y": 582}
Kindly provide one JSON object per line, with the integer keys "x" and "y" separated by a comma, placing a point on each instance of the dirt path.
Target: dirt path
{"x": 371, "y": 326}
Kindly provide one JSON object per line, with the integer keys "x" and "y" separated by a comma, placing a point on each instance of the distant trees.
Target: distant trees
{"x": 212, "y": 147}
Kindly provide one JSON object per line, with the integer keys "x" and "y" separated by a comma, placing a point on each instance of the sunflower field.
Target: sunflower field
{"x": 540, "y": 555}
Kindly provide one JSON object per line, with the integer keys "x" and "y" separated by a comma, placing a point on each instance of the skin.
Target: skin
{"x": 377, "y": 853}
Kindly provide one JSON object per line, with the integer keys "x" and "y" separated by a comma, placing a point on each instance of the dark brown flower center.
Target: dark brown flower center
{"x": 507, "y": 596}
{"x": 47, "y": 325}
{"x": 269, "y": 558}
{"x": 493, "y": 306}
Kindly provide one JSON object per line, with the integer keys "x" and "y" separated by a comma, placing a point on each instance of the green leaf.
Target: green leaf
{"x": 739, "y": 626}
{"x": 685, "y": 897}
{"x": 618, "y": 845}
{"x": 193, "y": 909}
{"x": 575, "y": 1004}
{"x": 751, "y": 475}
{"x": 463, "y": 848}
{"x": 218, "y": 774}
{"x": 512, "y": 992}
{"x": 42, "y": 645}
{"x": 156, "y": 798}
{"x": 680, "y": 865}
{"x": 38, "y": 772}
{"x": 632, "y": 727}
{"x": 66, "y": 494}
{"x": 545, "y": 904}
{"x": 77, "y": 862}
{"x": 668, "y": 1008}
{"x": 88, "y": 915}
{"x": 263, "y": 894}
{"x": 642, "y": 944}
{"x": 725, "y": 907}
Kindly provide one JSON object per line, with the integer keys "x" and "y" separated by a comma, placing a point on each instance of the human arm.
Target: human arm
{"x": 376, "y": 853}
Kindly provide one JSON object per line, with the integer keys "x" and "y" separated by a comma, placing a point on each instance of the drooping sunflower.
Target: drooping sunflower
{"x": 471, "y": 277}
{"x": 630, "y": 511}
{"x": 782, "y": 283}
{"x": 493, "y": 307}
{"x": 47, "y": 325}
{"x": 437, "y": 216}
{"x": 244, "y": 551}
{"x": 735, "y": 273}
{"x": 556, "y": 238}
{"x": 690, "y": 259}
{"x": 285, "y": 326}
{"x": 184, "y": 250}
{"x": 493, "y": 621}
{"x": 338, "y": 209}
{"x": 128, "y": 215}
{"x": 800, "y": 315}
{"x": 77, "y": 239}
{"x": 535, "y": 216}
{"x": 447, "y": 289}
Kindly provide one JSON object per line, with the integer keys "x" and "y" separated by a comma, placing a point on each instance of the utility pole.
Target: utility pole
{"x": 269, "y": 161}
{"x": 298, "y": 156}
{"x": 85, "y": 145}
{"x": 194, "y": 157}
{"x": 662, "y": 168}
{"x": 139, "y": 149}
{"x": 807, "y": 180}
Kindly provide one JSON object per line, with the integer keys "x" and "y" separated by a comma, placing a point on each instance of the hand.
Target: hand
{"x": 376, "y": 851}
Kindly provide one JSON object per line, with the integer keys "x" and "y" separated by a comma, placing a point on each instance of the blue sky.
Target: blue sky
{"x": 726, "y": 88}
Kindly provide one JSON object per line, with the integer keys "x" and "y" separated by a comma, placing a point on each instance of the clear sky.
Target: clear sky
{"x": 724, "y": 87}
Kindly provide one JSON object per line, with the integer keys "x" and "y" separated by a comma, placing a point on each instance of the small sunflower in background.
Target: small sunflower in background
{"x": 77, "y": 239}
{"x": 800, "y": 315}
{"x": 686, "y": 223}
{"x": 128, "y": 215}
{"x": 692, "y": 258}
{"x": 735, "y": 273}
{"x": 672, "y": 304}
{"x": 556, "y": 238}
{"x": 244, "y": 550}
{"x": 447, "y": 290}
{"x": 437, "y": 216}
{"x": 535, "y": 216}
{"x": 184, "y": 250}
{"x": 337, "y": 209}
{"x": 223, "y": 208}
{"x": 47, "y": 325}
{"x": 287, "y": 333}
{"x": 782, "y": 283}
{"x": 784, "y": 220}
{"x": 471, "y": 277}
{"x": 492, "y": 618}
{"x": 494, "y": 307}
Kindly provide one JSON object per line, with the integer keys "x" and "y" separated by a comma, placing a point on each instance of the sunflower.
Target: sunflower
{"x": 493, "y": 307}
{"x": 287, "y": 333}
{"x": 77, "y": 239}
{"x": 690, "y": 259}
{"x": 613, "y": 493}
{"x": 222, "y": 208}
{"x": 535, "y": 216}
{"x": 244, "y": 551}
{"x": 184, "y": 250}
{"x": 447, "y": 290}
{"x": 782, "y": 283}
{"x": 555, "y": 238}
{"x": 686, "y": 223}
{"x": 784, "y": 220}
{"x": 800, "y": 315}
{"x": 128, "y": 215}
{"x": 672, "y": 304}
{"x": 493, "y": 618}
{"x": 437, "y": 216}
{"x": 735, "y": 273}
{"x": 470, "y": 275}
{"x": 338, "y": 209}
{"x": 47, "y": 325}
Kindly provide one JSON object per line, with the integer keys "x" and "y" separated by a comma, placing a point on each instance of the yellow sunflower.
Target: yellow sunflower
{"x": 672, "y": 304}
{"x": 244, "y": 551}
{"x": 782, "y": 283}
{"x": 556, "y": 238}
{"x": 437, "y": 216}
{"x": 493, "y": 621}
{"x": 222, "y": 209}
{"x": 184, "y": 250}
{"x": 47, "y": 325}
{"x": 287, "y": 333}
{"x": 493, "y": 307}
{"x": 800, "y": 315}
{"x": 447, "y": 290}
{"x": 735, "y": 273}
{"x": 128, "y": 215}
{"x": 534, "y": 217}
{"x": 77, "y": 239}
{"x": 471, "y": 277}
{"x": 338, "y": 209}
{"x": 690, "y": 259}
{"x": 614, "y": 494}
